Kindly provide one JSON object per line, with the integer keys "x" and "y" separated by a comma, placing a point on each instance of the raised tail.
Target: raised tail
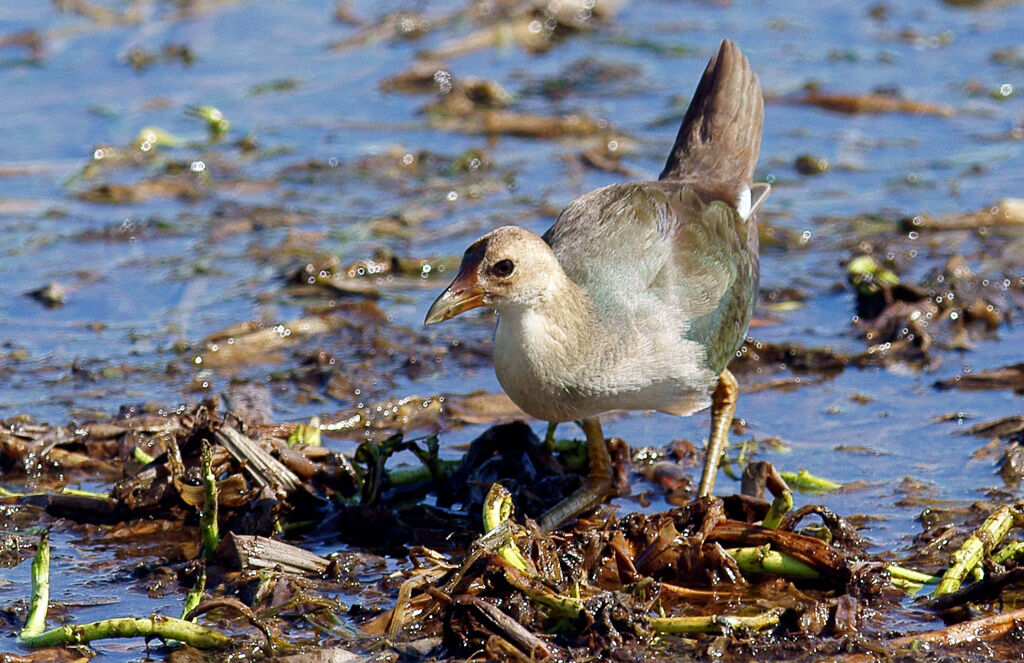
{"x": 720, "y": 138}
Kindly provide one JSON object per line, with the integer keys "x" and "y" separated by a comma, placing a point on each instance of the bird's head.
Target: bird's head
{"x": 507, "y": 267}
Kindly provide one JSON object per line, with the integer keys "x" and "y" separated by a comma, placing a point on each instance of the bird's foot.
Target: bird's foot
{"x": 586, "y": 497}
{"x": 596, "y": 486}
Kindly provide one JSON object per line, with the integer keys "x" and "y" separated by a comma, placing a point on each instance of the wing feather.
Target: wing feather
{"x": 648, "y": 250}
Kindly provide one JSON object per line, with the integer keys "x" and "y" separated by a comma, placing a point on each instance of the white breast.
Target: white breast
{"x": 532, "y": 365}
{"x": 554, "y": 375}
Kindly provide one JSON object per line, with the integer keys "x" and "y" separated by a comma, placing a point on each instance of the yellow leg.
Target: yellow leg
{"x": 596, "y": 485}
{"x": 723, "y": 406}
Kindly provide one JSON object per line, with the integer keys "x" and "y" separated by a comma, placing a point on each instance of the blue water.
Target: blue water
{"x": 133, "y": 301}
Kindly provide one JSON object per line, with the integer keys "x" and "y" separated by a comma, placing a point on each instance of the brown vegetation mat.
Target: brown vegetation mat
{"x": 705, "y": 579}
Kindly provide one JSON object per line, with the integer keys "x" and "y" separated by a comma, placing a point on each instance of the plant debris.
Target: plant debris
{"x": 872, "y": 103}
{"x": 712, "y": 566}
{"x": 340, "y": 484}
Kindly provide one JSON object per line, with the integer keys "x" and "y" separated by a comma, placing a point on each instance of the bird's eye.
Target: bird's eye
{"x": 503, "y": 268}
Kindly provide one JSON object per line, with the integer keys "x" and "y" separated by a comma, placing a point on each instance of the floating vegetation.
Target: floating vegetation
{"x": 712, "y": 566}
{"x": 190, "y": 217}
{"x": 872, "y": 103}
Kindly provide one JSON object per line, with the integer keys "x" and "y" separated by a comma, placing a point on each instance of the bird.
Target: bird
{"x": 640, "y": 293}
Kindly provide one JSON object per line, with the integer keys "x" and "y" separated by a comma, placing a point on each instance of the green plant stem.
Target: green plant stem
{"x": 715, "y": 624}
{"x": 806, "y": 482}
{"x": 1014, "y": 549}
{"x": 781, "y": 505}
{"x": 40, "y": 601}
{"x": 910, "y": 575}
{"x": 762, "y": 559}
{"x": 195, "y": 595}
{"x": 78, "y": 492}
{"x": 208, "y": 516}
{"x": 561, "y": 606}
{"x": 908, "y": 586}
{"x": 970, "y": 554}
{"x": 166, "y": 628}
{"x": 498, "y": 509}
{"x": 33, "y": 636}
{"x": 141, "y": 456}
{"x": 307, "y": 434}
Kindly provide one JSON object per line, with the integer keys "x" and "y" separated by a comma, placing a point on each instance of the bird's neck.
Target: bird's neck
{"x": 562, "y": 317}
{"x": 539, "y": 348}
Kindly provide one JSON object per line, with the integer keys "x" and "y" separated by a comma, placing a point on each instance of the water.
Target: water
{"x": 147, "y": 281}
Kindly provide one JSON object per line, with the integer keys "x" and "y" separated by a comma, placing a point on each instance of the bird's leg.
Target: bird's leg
{"x": 723, "y": 406}
{"x": 549, "y": 437}
{"x": 596, "y": 485}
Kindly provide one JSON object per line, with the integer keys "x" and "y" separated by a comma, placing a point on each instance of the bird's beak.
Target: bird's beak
{"x": 463, "y": 294}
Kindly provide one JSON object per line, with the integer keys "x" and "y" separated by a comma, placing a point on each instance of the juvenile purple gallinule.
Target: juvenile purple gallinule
{"x": 641, "y": 293}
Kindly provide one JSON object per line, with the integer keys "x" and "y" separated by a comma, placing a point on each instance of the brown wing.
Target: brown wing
{"x": 719, "y": 140}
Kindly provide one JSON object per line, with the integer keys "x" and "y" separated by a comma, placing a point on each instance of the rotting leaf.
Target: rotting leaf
{"x": 140, "y": 59}
{"x": 184, "y": 187}
{"x": 243, "y": 552}
{"x": 904, "y": 320}
{"x": 32, "y": 40}
{"x": 755, "y": 355}
{"x": 871, "y": 103}
{"x": 227, "y": 349}
{"x": 231, "y": 492}
{"x": 421, "y": 77}
{"x": 590, "y": 76}
{"x": 386, "y": 263}
{"x": 615, "y": 615}
{"x": 1005, "y": 377}
{"x": 539, "y": 126}
{"x": 1007, "y": 212}
{"x": 378, "y": 420}
{"x": 466, "y": 96}
{"x": 808, "y": 164}
{"x": 395, "y": 26}
{"x": 1006, "y": 427}
{"x": 482, "y": 408}
{"x": 534, "y": 26}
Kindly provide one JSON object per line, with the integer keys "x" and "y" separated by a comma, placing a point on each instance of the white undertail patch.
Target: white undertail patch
{"x": 743, "y": 203}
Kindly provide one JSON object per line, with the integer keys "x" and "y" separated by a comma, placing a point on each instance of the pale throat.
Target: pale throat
{"x": 552, "y": 326}
{"x": 537, "y": 349}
